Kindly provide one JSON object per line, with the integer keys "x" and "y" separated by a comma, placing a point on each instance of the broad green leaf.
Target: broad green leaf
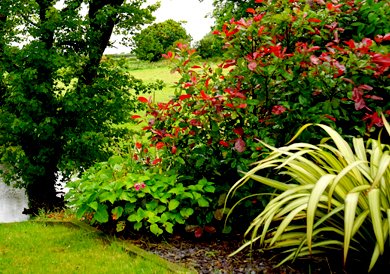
{"x": 101, "y": 214}
{"x": 155, "y": 229}
{"x": 94, "y": 205}
{"x": 202, "y": 202}
{"x": 173, "y": 204}
{"x": 117, "y": 212}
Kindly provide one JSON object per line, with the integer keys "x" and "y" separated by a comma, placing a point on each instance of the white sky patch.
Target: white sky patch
{"x": 192, "y": 12}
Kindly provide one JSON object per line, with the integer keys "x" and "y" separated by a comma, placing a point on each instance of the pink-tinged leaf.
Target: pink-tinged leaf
{"x": 240, "y": 145}
{"x": 184, "y": 96}
{"x": 365, "y": 87}
{"x": 314, "y": 59}
{"x": 135, "y": 117}
{"x": 160, "y": 145}
{"x": 252, "y": 65}
{"x": 374, "y": 97}
{"x": 278, "y": 109}
{"x": 313, "y": 49}
{"x": 382, "y": 60}
{"x": 143, "y": 100}
{"x": 168, "y": 55}
{"x": 243, "y": 105}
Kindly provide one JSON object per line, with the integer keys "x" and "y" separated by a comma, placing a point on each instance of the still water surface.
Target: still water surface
{"x": 12, "y": 203}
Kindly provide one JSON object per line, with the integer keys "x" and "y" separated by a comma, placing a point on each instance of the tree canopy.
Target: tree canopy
{"x": 58, "y": 101}
{"x": 157, "y": 38}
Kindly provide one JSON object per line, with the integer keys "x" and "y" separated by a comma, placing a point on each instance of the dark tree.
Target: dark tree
{"x": 58, "y": 101}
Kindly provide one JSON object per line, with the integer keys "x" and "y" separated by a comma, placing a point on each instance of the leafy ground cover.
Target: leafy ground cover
{"x": 39, "y": 247}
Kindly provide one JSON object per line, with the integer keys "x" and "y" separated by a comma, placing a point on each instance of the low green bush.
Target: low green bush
{"x": 122, "y": 192}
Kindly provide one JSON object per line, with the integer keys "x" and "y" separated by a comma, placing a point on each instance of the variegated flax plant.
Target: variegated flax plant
{"x": 337, "y": 198}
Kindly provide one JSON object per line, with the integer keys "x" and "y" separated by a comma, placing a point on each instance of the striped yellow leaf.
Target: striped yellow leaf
{"x": 315, "y": 196}
{"x": 376, "y": 217}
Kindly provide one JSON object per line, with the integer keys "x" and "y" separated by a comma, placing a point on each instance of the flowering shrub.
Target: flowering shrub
{"x": 288, "y": 63}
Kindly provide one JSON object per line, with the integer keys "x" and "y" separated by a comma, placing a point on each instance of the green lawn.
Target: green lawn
{"x": 40, "y": 247}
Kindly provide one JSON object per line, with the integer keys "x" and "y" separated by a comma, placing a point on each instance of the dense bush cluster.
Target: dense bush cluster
{"x": 286, "y": 64}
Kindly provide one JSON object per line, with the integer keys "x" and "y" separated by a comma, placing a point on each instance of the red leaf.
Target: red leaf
{"x": 330, "y": 117}
{"x": 143, "y": 99}
{"x": 135, "y": 117}
{"x": 195, "y": 67}
{"x": 204, "y": 95}
{"x": 210, "y": 229}
{"x": 138, "y": 145}
{"x": 251, "y": 10}
{"x": 229, "y": 105}
{"x": 160, "y": 145}
{"x": 174, "y": 149}
{"x": 314, "y": 20}
{"x": 224, "y": 143}
{"x": 239, "y": 131}
{"x": 198, "y": 232}
{"x": 168, "y": 55}
{"x": 156, "y": 161}
{"x": 242, "y": 105}
{"x": 184, "y": 96}
{"x": 259, "y": 1}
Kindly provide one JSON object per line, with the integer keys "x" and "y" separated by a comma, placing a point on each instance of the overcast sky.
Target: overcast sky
{"x": 191, "y": 11}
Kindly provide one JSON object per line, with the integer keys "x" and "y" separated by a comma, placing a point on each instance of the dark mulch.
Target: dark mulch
{"x": 212, "y": 256}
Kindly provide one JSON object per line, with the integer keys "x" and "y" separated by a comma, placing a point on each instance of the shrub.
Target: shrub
{"x": 332, "y": 197}
{"x": 209, "y": 47}
{"x": 157, "y": 39}
{"x": 121, "y": 192}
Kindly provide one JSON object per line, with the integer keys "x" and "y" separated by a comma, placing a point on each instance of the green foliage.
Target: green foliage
{"x": 121, "y": 192}
{"x": 157, "y": 39}
{"x": 59, "y": 103}
{"x": 285, "y": 64}
{"x": 333, "y": 197}
{"x": 209, "y": 47}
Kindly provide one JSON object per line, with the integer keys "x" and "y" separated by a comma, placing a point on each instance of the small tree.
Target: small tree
{"x": 158, "y": 38}
{"x": 210, "y": 46}
{"x": 58, "y": 101}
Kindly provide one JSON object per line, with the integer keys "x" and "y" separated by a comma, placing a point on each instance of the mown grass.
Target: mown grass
{"x": 39, "y": 247}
